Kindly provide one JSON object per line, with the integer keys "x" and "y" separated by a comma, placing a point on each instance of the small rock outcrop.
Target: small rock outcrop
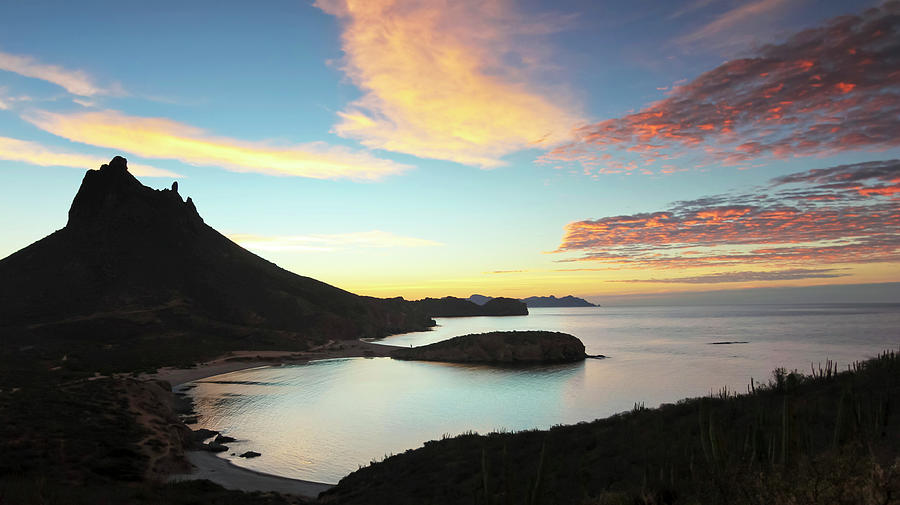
{"x": 504, "y": 347}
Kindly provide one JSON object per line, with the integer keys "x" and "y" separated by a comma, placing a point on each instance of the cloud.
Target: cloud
{"x": 332, "y": 242}
{"x": 75, "y": 82}
{"x": 735, "y": 18}
{"x": 448, "y": 80}
{"x": 34, "y": 153}
{"x": 844, "y": 214}
{"x": 691, "y": 7}
{"x": 825, "y": 90}
{"x": 749, "y": 276}
{"x": 164, "y": 138}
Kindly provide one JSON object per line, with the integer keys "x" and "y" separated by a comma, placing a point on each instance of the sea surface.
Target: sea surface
{"x": 322, "y": 420}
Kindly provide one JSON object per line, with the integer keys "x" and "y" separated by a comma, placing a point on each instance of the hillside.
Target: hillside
{"x": 134, "y": 265}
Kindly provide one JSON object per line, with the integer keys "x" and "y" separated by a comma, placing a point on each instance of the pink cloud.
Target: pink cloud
{"x": 844, "y": 214}
{"x": 825, "y": 90}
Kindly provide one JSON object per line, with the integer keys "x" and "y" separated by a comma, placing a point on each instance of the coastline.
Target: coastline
{"x": 207, "y": 465}
{"x": 245, "y": 360}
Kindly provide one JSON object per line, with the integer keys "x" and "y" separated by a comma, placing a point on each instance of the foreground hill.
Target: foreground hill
{"x": 134, "y": 262}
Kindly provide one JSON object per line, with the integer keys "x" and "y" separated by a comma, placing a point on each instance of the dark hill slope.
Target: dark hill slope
{"x": 133, "y": 261}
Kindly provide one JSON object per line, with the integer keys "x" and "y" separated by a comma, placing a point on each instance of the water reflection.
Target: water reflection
{"x": 322, "y": 420}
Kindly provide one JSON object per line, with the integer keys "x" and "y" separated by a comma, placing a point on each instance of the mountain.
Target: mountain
{"x": 552, "y": 301}
{"x": 137, "y": 262}
{"x": 450, "y": 306}
{"x": 540, "y": 301}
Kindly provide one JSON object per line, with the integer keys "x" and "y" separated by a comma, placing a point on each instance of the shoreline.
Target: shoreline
{"x": 209, "y": 466}
{"x": 245, "y": 360}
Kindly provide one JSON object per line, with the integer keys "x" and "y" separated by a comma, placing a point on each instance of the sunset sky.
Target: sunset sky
{"x": 432, "y": 148}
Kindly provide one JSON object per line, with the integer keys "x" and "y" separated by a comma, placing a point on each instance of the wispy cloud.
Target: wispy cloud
{"x": 749, "y": 276}
{"x": 825, "y": 90}
{"x": 327, "y": 242}
{"x": 728, "y": 21}
{"x": 76, "y": 82}
{"x": 845, "y": 214}
{"x": 690, "y": 7}
{"x": 166, "y": 139}
{"x": 34, "y": 153}
{"x": 448, "y": 80}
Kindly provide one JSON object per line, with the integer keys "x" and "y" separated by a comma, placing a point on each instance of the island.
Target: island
{"x": 539, "y": 301}
{"x": 450, "y": 306}
{"x": 507, "y": 347}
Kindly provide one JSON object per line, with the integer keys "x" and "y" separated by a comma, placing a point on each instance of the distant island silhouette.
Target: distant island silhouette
{"x": 540, "y": 301}
{"x": 450, "y": 306}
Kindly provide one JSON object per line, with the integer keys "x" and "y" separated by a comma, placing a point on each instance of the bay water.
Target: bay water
{"x": 322, "y": 420}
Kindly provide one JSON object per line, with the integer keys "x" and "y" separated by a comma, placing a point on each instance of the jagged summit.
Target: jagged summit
{"x": 112, "y": 194}
{"x": 133, "y": 260}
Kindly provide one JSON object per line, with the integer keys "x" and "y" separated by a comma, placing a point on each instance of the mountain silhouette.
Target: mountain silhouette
{"x": 138, "y": 261}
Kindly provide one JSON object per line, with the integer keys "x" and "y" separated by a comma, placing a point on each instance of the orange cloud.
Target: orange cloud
{"x": 164, "y": 138}
{"x": 75, "y": 82}
{"x": 823, "y": 91}
{"x": 37, "y": 154}
{"x": 437, "y": 80}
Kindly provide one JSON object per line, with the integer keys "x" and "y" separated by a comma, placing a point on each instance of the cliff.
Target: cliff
{"x": 506, "y": 347}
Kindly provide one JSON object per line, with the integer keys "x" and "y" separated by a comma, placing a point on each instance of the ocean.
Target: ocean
{"x": 322, "y": 420}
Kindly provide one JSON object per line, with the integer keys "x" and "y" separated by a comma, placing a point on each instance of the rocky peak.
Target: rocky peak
{"x": 112, "y": 195}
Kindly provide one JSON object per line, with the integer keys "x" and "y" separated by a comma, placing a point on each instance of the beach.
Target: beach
{"x": 243, "y": 360}
{"x": 209, "y": 466}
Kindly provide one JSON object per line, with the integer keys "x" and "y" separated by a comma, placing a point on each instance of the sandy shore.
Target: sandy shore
{"x": 243, "y": 360}
{"x": 224, "y": 473}
{"x": 206, "y": 465}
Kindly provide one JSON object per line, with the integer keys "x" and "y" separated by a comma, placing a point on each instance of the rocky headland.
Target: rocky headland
{"x": 502, "y": 347}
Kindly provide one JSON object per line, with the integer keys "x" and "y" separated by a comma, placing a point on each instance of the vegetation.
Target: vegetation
{"x": 826, "y": 437}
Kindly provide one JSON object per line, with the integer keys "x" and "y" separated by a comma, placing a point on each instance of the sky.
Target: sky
{"x": 607, "y": 149}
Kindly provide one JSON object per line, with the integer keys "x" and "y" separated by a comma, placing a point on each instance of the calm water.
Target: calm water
{"x": 323, "y": 420}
